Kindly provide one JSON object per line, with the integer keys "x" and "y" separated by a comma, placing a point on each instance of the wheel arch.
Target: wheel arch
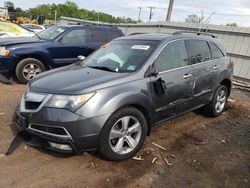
{"x": 35, "y": 56}
{"x": 228, "y": 84}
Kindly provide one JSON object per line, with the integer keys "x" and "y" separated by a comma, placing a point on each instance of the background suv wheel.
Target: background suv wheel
{"x": 123, "y": 134}
{"x": 28, "y": 68}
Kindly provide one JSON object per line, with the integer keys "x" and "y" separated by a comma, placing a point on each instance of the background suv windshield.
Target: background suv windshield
{"x": 121, "y": 56}
{"x": 51, "y": 33}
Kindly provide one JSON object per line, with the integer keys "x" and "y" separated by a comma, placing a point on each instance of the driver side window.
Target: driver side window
{"x": 74, "y": 37}
{"x": 173, "y": 55}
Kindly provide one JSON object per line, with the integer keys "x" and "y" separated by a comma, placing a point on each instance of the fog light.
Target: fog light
{"x": 60, "y": 146}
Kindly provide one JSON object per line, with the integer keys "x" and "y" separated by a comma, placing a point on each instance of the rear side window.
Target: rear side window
{"x": 98, "y": 35}
{"x": 215, "y": 51}
{"x": 113, "y": 34}
{"x": 198, "y": 51}
{"x": 172, "y": 56}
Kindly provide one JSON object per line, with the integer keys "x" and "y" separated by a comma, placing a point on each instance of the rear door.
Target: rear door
{"x": 69, "y": 47}
{"x": 200, "y": 57}
{"x": 97, "y": 37}
{"x": 176, "y": 76}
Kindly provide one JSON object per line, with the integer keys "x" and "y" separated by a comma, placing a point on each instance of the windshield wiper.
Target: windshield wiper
{"x": 103, "y": 68}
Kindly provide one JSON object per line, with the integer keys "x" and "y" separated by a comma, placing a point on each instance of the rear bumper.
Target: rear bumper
{"x": 82, "y": 132}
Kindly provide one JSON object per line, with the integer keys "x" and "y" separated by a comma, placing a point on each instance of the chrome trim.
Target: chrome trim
{"x": 50, "y": 134}
{"x": 34, "y": 97}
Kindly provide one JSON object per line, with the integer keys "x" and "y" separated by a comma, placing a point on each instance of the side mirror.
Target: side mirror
{"x": 81, "y": 57}
{"x": 151, "y": 71}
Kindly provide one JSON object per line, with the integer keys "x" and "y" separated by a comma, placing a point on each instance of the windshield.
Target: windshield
{"x": 121, "y": 56}
{"x": 51, "y": 33}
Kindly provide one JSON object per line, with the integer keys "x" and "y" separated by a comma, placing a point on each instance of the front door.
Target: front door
{"x": 69, "y": 47}
{"x": 175, "y": 76}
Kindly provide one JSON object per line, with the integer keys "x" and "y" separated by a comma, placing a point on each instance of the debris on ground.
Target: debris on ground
{"x": 200, "y": 143}
{"x": 231, "y": 100}
{"x": 154, "y": 159}
{"x": 138, "y": 158}
{"x": 166, "y": 161}
{"x": 2, "y": 155}
{"x": 172, "y": 156}
{"x": 2, "y": 113}
{"x": 159, "y": 146}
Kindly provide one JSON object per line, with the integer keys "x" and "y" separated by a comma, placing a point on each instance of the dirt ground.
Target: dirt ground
{"x": 201, "y": 152}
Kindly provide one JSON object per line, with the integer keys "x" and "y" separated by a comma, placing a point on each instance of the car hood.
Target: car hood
{"x": 18, "y": 40}
{"x": 75, "y": 79}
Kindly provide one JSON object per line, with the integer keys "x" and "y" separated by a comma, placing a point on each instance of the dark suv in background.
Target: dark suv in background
{"x": 110, "y": 100}
{"x": 55, "y": 47}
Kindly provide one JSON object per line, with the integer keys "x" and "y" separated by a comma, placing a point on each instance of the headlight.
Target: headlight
{"x": 71, "y": 103}
{"x": 4, "y": 51}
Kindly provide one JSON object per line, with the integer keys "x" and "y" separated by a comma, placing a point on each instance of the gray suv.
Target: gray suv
{"x": 110, "y": 100}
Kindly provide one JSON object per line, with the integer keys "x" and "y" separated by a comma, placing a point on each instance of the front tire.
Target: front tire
{"x": 217, "y": 105}
{"x": 28, "y": 68}
{"x": 123, "y": 134}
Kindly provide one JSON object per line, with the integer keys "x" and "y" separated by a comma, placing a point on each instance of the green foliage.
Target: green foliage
{"x": 232, "y": 24}
{"x": 9, "y": 4}
{"x": 70, "y": 9}
{"x": 193, "y": 18}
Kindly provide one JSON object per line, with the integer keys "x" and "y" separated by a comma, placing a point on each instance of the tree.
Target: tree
{"x": 232, "y": 24}
{"x": 9, "y": 4}
{"x": 193, "y": 18}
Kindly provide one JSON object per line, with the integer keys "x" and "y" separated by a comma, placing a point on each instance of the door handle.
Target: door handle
{"x": 216, "y": 67}
{"x": 187, "y": 76}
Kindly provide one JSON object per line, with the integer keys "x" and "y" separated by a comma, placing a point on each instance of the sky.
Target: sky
{"x": 223, "y": 11}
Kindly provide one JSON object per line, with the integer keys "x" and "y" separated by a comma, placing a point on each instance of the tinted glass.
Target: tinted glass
{"x": 114, "y": 34}
{"x": 121, "y": 56}
{"x": 173, "y": 56}
{"x": 74, "y": 37}
{"x": 216, "y": 52}
{"x": 97, "y": 35}
{"x": 198, "y": 51}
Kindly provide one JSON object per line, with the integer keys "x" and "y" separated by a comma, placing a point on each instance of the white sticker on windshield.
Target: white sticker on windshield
{"x": 140, "y": 47}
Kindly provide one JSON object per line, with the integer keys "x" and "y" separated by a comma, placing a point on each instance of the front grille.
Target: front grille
{"x": 57, "y": 131}
{"x": 32, "y": 105}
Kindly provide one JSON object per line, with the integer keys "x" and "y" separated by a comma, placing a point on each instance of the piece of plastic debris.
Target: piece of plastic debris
{"x": 92, "y": 164}
{"x": 159, "y": 146}
{"x": 2, "y": 155}
{"x": 200, "y": 143}
{"x": 154, "y": 159}
{"x": 223, "y": 141}
{"x": 231, "y": 100}
{"x": 2, "y": 113}
{"x": 172, "y": 156}
{"x": 138, "y": 158}
{"x": 166, "y": 161}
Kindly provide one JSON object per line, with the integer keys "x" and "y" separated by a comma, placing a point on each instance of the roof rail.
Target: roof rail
{"x": 96, "y": 24}
{"x": 194, "y": 32}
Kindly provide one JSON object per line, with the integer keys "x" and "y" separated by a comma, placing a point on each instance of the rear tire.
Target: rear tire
{"x": 123, "y": 134}
{"x": 28, "y": 68}
{"x": 217, "y": 105}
